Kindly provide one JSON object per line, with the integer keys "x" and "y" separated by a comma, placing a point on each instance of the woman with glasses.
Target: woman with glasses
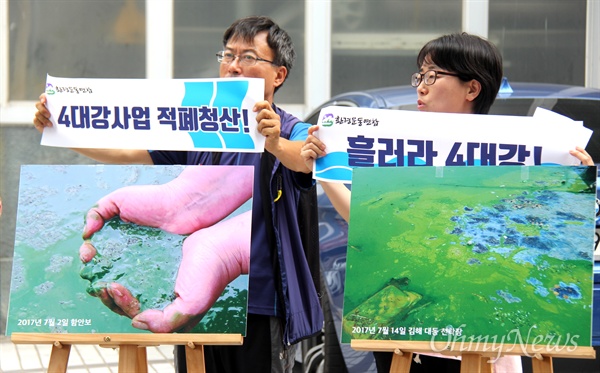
{"x": 458, "y": 73}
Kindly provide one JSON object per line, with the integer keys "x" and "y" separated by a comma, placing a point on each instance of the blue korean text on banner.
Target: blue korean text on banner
{"x": 220, "y": 100}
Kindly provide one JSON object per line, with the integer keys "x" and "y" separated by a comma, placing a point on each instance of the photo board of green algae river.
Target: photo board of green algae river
{"x": 51, "y": 289}
{"x": 444, "y": 253}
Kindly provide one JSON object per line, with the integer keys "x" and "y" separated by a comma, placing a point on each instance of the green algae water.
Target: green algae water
{"x": 50, "y": 286}
{"x": 471, "y": 251}
{"x": 122, "y": 250}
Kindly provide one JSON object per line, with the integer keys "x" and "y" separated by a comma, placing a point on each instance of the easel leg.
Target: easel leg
{"x": 401, "y": 363}
{"x": 542, "y": 364}
{"x": 485, "y": 366}
{"x": 128, "y": 358}
{"x": 59, "y": 358}
{"x": 194, "y": 358}
{"x": 142, "y": 360}
{"x": 471, "y": 363}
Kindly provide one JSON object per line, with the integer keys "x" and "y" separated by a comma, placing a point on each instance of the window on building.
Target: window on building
{"x": 541, "y": 41}
{"x": 76, "y": 39}
{"x": 198, "y": 35}
{"x": 375, "y": 43}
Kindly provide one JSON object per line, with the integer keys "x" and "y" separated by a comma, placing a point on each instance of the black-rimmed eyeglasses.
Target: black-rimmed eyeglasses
{"x": 246, "y": 59}
{"x": 428, "y": 77}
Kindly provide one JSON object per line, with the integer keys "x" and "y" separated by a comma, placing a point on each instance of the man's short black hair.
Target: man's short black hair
{"x": 278, "y": 39}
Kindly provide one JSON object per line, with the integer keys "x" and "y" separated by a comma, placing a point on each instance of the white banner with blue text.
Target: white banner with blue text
{"x": 157, "y": 114}
{"x": 365, "y": 137}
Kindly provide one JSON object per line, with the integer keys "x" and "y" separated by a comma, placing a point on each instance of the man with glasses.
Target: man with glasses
{"x": 283, "y": 305}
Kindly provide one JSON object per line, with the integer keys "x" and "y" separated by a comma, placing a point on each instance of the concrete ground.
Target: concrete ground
{"x": 34, "y": 358}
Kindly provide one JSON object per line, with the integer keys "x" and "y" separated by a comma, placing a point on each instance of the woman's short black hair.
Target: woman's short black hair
{"x": 471, "y": 57}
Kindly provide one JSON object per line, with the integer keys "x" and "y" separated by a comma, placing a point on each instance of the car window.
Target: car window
{"x": 519, "y": 107}
{"x": 314, "y": 117}
{"x": 587, "y": 111}
{"x": 411, "y": 107}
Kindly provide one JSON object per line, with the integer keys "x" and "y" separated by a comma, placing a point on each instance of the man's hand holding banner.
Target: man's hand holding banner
{"x": 167, "y": 114}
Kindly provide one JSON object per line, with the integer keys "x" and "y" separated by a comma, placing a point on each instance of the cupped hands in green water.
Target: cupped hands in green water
{"x": 194, "y": 204}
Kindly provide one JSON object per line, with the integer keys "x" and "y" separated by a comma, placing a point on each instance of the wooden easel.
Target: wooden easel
{"x": 132, "y": 347}
{"x": 474, "y": 359}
